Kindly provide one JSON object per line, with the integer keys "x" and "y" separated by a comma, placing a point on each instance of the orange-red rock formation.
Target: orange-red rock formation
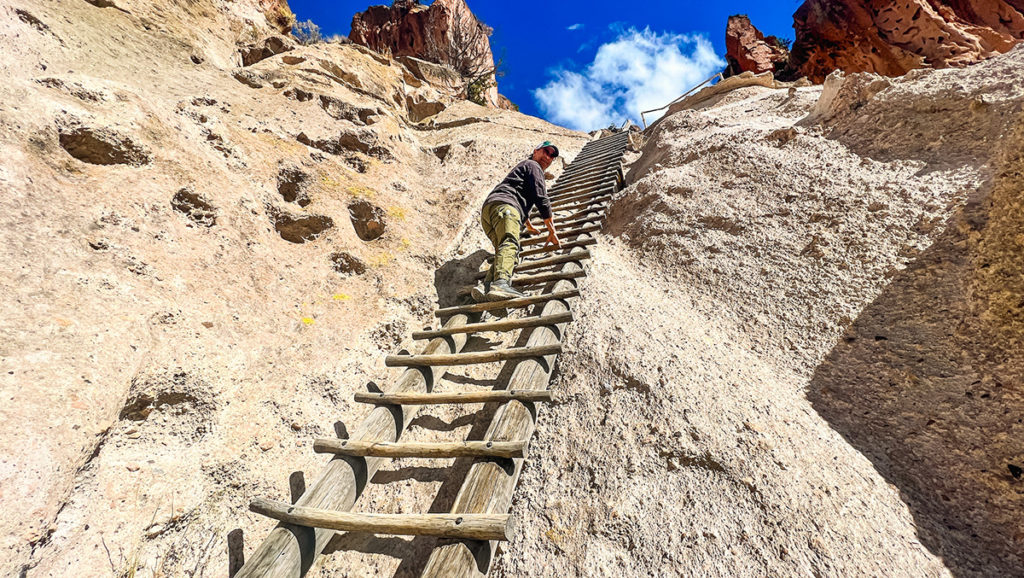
{"x": 892, "y": 38}
{"x": 747, "y": 49}
{"x": 446, "y": 32}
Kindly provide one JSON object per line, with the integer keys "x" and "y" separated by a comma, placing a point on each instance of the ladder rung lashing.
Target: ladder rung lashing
{"x": 439, "y": 450}
{"x": 459, "y": 526}
{"x": 503, "y": 325}
{"x": 525, "y": 396}
{"x": 472, "y": 358}
{"x": 517, "y": 303}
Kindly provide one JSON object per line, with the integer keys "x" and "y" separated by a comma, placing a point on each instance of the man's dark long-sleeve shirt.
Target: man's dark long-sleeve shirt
{"x": 524, "y": 188}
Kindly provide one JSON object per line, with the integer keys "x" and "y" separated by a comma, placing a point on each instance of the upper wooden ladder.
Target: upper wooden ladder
{"x": 479, "y": 517}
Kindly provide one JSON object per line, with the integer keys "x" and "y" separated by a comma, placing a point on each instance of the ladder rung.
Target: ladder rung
{"x": 598, "y": 220}
{"x": 541, "y": 263}
{"x": 583, "y": 180}
{"x": 551, "y": 248}
{"x": 460, "y": 526}
{"x": 600, "y": 199}
{"x": 507, "y": 304}
{"x": 471, "y": 358}
{"x": 503, "y": 325}
{"x": 598, "y": 208}
{"x": 562, "y": 190}
{"x": 538, "y": 279}
{"x": 562, "y": 234}
{"x": 455, "y": 398}
{"x": 582, "y": 194}
{"x": 474, "y": 449}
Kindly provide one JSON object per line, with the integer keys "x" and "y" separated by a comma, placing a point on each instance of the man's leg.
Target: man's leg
{"x": 479, "y": 292}
{"x": 504, "y": 234}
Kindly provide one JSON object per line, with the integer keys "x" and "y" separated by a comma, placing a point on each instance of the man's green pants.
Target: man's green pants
{"x": 502, "y": 224}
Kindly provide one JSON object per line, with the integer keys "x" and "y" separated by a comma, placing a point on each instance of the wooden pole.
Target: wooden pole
{"x": 565, "y": 190}
{"x": 459, "y": 397}
{"x": 595, "y": 219}
{"x": 516, "y": 303}
{"x": 561, "y": 235}
{"x": 541, "y": 263}
{"x": 289, "y": 550}
{"x": 552, "y": 248}
{"x": 596, "y": 191}
{"x": 538, "y": 279}
{"x": 503, "y": 325}
{"x": 590, "y": 161}
{"x": 470, "y": 449}
{"x": 473, "y": 358}
{"x": 600, "y": 199}
{"x": 466, "y": 527}
{"x": 488, "y": 487}
{"x": 582, "y": 180}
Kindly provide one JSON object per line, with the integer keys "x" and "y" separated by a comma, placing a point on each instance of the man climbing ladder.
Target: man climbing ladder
{"x": 506, "y": 211}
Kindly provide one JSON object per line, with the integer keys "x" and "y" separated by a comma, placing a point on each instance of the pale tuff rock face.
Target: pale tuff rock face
{"x": 213, "y": 236}
{"x": 798, "y": 352}
{"x": 796, "y": 355}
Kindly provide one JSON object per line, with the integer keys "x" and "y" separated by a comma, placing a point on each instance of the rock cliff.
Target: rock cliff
{"x": 446, "y": 32}
{"x": 892, "y": 38}
{"x": 747, "y": 49}
{"x": 882, "y": 37}
{"x": 204, "y": 260}
{"x": 798, "y": 350}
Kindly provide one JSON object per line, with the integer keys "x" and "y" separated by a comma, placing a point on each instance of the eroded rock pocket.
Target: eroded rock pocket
{"x": 102, "y": 146}
{"x": 184, "y": 402}
{"x": 300, "y": 229}
{"x": 348, "y": 264}
{"x": 367, "y": 219}
{"x": 292, "y": 183}
{"x": 363, "y": 141}
{"x": 194, "y": 207}
{"x": 341, "y": 110}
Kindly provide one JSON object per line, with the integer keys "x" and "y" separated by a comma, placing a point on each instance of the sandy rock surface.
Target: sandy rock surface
{"x": 204, "y": 261}
{"x": 797, "y": 353}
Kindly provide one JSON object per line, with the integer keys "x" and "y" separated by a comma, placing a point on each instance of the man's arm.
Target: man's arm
{"x": 552, "y": 234}
{"x": 544, "y": 206}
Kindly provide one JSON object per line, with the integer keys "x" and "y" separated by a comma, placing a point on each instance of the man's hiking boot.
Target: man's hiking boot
{"x": 501, "y": 290}
{"x": 479, "y": 292}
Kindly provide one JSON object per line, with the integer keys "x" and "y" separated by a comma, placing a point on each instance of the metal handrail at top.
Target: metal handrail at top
{"x": 684, "y": 95}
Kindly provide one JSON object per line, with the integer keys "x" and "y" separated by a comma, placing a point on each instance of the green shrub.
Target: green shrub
{"x": 476, "y": 90}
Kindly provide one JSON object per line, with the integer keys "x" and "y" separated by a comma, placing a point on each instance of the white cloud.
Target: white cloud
{"x": 637, "y": 71}
{"x": 577, "y": 26}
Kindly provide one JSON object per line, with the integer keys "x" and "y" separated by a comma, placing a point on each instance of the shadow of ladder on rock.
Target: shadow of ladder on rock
{"x": 479, "y": 517}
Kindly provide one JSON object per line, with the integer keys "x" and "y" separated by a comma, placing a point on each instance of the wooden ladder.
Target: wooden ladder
{"x": 479, "y": 519}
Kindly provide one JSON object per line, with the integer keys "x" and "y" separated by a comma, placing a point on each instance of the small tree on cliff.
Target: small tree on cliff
{"x": 466, "y": 48}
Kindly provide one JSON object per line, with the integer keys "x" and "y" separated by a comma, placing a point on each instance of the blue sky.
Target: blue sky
{"x": 586, "y": 64}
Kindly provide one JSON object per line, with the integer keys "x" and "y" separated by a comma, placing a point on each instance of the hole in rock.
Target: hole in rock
{"x": 195, "y": 208}
{"x": 348, "y": 264}
{"x": 102, "y": 147}
{"x": 298, "y": 94}
{"x": 301, "y": 229}
{"x": 367, "y": 219}
{"x": 291, "y": 183}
